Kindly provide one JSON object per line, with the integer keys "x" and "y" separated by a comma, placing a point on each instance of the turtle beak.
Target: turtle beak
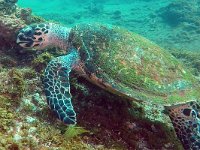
{"x": 24, "y": 41}
{"x": 21, "y": 38}
{"x": 18, "y": 41}
{"x": 18, "y": 38}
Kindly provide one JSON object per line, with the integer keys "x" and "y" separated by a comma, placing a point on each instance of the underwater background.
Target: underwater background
{"x": 173, "y": 24}
{"x": 106, "y": 122}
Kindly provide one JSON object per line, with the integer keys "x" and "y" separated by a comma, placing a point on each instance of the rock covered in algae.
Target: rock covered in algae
{"x": 112, "y": 122}
{"x": 8, "y": 6}
{"x": 9, "y": 22}
{"x": 13, "y": 18}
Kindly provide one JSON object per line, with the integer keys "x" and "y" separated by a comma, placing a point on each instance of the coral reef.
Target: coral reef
{"x": 25, "y": 14}
{"x": 8, "y": 6}
{"x": 41, "y": 61}
{"x": 28, "y": 123}
{"x": 12, "y": 21}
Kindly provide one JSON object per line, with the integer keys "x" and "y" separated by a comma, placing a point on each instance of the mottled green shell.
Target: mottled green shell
{"x": 130, "y": 65}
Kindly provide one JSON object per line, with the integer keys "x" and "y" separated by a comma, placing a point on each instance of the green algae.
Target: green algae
{"x": 74, "y": 131}
{"x": 39, "y": 139}
{"x": 5, "y": 101}
{"x": 18, "y": 84}
{"x": 13, "y": 84}
{"x": 40, "y": 62}
{"x": 17, "y": 133}
{"x": 6, "y": 119}
{"x": 155, "y": 64}
{"x": 35, "y": 134}
{"x": 29, "y": 73}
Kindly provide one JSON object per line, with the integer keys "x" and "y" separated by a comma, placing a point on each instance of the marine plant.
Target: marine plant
{"x": 74, "y": 131}
{"x": 18, "y": 83}
{"x": 41, "y": 61}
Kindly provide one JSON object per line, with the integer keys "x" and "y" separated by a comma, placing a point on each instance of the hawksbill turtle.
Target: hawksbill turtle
{"x": 120, "y": 62}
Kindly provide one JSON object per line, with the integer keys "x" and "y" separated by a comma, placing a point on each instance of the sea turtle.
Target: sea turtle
{"x": 120, "y": 62}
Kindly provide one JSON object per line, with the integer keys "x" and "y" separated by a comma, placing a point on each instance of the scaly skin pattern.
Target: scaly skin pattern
{"x": 121, "y": 62}
{"x": 57, "y": 87}
{"x": 186, "y": 121}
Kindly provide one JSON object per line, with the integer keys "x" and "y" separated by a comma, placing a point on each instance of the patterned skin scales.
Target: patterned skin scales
{"x": 120, "y": 62}
{"x": 57, "y": 89}
{"x": 186, "y": 121}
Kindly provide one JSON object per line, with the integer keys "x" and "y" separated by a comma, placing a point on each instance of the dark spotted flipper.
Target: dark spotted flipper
{"x": 186, "y": 121}
{"x": 57, "y": 87}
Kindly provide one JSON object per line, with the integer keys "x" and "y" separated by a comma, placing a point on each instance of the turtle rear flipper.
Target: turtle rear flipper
{"x": 57, "y": 86}
{"x": 186, "y": 120}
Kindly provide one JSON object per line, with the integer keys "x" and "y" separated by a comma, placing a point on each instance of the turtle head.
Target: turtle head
{"x": 39, "y": 36}
{"x": 34, "y": 36}
{"x": 186, "y": 121}
{"x": 189, "y": 110}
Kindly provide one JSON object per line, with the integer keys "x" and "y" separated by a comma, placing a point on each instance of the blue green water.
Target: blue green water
{"x": 172, "y": 24}
{"x": 169, "y": 23}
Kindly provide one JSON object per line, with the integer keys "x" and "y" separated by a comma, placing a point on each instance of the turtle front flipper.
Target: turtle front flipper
{"x": 57, "y": 86}
{"x": 186, "y": 121}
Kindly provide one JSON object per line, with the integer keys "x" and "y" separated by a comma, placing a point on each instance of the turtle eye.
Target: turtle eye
{"x": 187, "y": 112}
{"x": 190, "y": 112}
